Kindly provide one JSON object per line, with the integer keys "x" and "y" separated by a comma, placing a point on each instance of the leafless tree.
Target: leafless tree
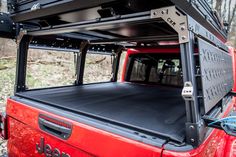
{"x": 227, "y": 10}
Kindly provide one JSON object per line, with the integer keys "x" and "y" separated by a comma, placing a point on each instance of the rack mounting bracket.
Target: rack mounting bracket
{"x": 175, "y": 19}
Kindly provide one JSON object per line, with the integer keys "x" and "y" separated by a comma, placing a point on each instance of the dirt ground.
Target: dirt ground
{"x": 7, "y": 72}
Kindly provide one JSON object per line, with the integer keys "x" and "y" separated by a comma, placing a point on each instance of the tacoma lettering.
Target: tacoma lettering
{"x": 48, "y": 151}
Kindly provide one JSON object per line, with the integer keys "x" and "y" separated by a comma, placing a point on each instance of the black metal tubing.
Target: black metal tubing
{"x": 137, "y": 39}
{"x": 53, "y": 48}
{"x": 188, "y": 65}
{"x": 192, "y": 106}
{"x": 81, "y": 62}
{"x": 53, "y": 8}
{"x": 111, "y": 22}
{"x": 21, "y": 63}
{"x": 116, "y": 63}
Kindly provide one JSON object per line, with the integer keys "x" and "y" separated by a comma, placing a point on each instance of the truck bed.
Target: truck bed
{"x": 157, "y": 109}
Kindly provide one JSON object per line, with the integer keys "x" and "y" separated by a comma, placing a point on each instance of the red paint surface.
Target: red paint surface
{"x": 217, "y": 144}
{"x": 88, "y": 141}
{"x": 233, "y": 54}
{"x": 84, "y": 138}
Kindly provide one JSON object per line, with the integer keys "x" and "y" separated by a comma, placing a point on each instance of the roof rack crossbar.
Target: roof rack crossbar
{"x": 93, "y": 24}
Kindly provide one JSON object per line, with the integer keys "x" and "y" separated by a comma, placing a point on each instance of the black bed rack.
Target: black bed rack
{"x": 41, "y": 14}
{"x": 189, "y": 22}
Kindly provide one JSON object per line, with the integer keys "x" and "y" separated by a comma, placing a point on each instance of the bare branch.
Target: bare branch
{"x": 232, "y": 17}
{"x": 224, "y": 13}
{"x": 229, "y": 10}
{"x": 218, "y": 6}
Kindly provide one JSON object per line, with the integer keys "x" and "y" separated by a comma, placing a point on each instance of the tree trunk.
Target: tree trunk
{"x": 231, "y": 18}
{"x": 218, "y": 6}
{"x": 3, "y": 7}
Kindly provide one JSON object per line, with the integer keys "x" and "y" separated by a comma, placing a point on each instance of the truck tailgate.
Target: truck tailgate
{"x": 27, "y": 139}
{"x": 23, "y": 141}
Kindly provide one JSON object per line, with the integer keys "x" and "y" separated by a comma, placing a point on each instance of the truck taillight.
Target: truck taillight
{"x": 3, "y": 126}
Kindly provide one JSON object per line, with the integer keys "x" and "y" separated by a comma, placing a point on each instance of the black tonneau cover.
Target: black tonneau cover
{"x": 156, "y": 109}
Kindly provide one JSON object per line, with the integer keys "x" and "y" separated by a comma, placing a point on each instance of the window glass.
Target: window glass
{"x": 169, "y": 72}
{"x": 153, "y": 68}
{"x": 46, "y": 68}
{"x": 98, "y": 68}
{"x": 121, "y": 65}
{"x": 138, "y": 71}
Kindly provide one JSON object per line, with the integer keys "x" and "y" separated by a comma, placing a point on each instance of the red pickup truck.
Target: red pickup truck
{"x": 143, "y": 115}
{"x": 175, "y": 95}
